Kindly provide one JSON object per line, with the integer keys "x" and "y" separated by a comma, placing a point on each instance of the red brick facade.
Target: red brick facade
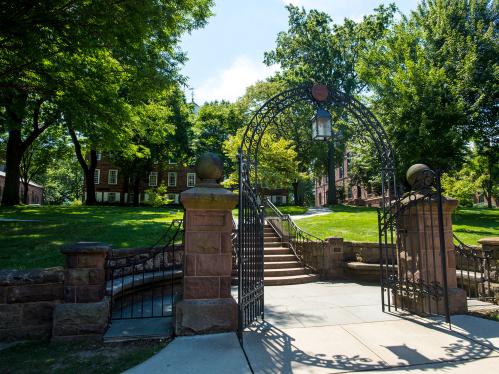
{"x": 35, "y": 191}
{"x": 342, "y": 181}
{"x": 111, "y": 187}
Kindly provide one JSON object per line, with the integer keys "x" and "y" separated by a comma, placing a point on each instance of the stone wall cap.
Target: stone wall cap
{"x": 87, "y": 247}
{"x": 492, "y": 240}
{"x": 13, "y": 277}
{"x": 208, "y": 198}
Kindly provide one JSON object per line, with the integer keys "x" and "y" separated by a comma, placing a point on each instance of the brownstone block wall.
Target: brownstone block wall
{"x": 27, "y": 302}
{"x": 208, "y": 256}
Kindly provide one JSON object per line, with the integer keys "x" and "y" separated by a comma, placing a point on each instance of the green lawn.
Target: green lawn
{"x": 351, "y": 223}
{"x": 361, "y": 224}
{"x": 40, "y": 357}
{"x": 37, "y": 244}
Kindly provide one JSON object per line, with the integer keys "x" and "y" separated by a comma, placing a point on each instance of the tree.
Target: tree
{"x": 46, "y": 150}
{"x": 55, "y": 54}
{"x": 277, "y": 164}
{"x": 163, "y": 136}
{"x": 214, "y": 124}
{"x": 63, "y": 180}
{"x": 461, "y": 38}
{"x": 314, "y": 49}
{"x": 414, "y": 100}
{"x": 476, "y": 176}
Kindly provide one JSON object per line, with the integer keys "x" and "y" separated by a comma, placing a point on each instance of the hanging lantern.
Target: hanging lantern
{"x": 321, "y": 125}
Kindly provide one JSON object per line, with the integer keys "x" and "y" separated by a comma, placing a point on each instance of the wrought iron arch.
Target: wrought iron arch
{"x": 251, "y": 220}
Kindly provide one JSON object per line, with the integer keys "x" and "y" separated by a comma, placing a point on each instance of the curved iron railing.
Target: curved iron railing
{"x": 137, "y": 281}
{"x": 476, "y": 272}
{"x": 290, "y": 233}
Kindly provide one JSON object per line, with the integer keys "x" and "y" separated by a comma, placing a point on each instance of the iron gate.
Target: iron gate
{"x": 413, "y": 250}
{"x": 250, "y": 251}
{"x": 145, "y": 283}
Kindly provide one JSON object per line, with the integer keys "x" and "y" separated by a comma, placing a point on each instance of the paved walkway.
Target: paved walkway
{"x": 336, "y": 328}
{"x": 312, "y": 212}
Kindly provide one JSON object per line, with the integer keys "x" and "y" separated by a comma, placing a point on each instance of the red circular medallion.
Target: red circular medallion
{"x": 320, "y": 92}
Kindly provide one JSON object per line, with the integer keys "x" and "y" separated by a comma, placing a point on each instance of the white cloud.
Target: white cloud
{"x": 231, "y": 83}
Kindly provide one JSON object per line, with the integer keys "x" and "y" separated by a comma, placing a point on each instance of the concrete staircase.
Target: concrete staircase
{"x": 281, "y": 267}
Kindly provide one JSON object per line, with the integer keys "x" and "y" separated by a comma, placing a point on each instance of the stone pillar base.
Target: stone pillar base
{"x": 426, "y": 305}
{"x": 87, "y": 321}
{"x": 194, "y": 317}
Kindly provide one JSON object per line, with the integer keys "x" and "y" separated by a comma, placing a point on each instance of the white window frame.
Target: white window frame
{"x": 193, "y": 179}
{"x": 174, "y": 174}
{"x": 113, "y": 194}
{"x": 98, "y": 155}
{"x": 97, "y": 174}
{"x": 109, "y": 176}
{"x": 154, "y": 183}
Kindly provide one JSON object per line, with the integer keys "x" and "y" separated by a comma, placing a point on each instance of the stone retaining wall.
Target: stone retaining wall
{"x": 27, "y": 302}
{"x": 367, "y": 252}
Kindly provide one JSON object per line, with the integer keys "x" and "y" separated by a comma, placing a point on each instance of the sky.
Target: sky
{"x": 226, "y": 56}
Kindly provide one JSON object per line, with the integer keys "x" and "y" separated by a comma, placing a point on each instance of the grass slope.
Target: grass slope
{"x": 37, "y": 243}
{"x": 361, "y": 224}
{"x": 40, "y": 357}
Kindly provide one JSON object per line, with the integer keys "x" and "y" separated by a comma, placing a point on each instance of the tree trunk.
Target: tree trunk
{"x": 332, "y": 199}
{"x": 136, "y": 191}
{"x": 359, "y": 195}
{"x": 90, "y": 187}
{"x": 125, "y": 190}
{"x": 88, "y": 170}
{"x": 10, "y": 195}
{"x": 295, "y": 192}
{"x": 490, "y": 183}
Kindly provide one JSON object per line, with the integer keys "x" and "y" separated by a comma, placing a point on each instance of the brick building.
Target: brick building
{"x": 111, "y": 186}
{"x": 351, "y": 194}
{"x": 35, "y": 191}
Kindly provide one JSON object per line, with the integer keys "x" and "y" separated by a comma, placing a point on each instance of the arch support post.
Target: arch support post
{"x": 207, "y": 305}
{"x": 428, "y": 269}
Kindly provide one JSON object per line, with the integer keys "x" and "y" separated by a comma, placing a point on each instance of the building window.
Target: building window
{"x": 278, "y": 199}
{"x": 98, "y": 155}
{"x": 171, "y": 161}
{"x": 153, "y": 179}
{"x": 172, "y": 198}
{"x": 191, "y": 179}
{"x": 97, "y": 176}
{"x": 112, "y": 177}
{"x": 111, "y": 197}
{"x": 342, "y": 172}
{"x": 172, "y": 179}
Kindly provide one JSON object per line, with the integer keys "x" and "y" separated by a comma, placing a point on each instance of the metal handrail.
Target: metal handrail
{"x": 474, "y": 266}
{"x": 290, "y": 233}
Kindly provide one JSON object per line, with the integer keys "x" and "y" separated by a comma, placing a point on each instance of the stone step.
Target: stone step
{"x": 271, "y": 238}
{"x": 279, "y": 258}
{"x": 281, "y": 265}
{"x": 292, "y": 279}
{"x": 277, "y": 251}
{"x": 269, "y": 273}
{"x": 272, "y": 244}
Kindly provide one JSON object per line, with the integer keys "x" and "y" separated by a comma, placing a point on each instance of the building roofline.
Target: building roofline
{"x": 2, "y": 174}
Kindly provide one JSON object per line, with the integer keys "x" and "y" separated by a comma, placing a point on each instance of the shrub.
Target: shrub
{"x": 158, "y": 196}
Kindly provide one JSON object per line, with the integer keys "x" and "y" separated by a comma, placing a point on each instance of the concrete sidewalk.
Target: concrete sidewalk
{"x": 334, "y": 328}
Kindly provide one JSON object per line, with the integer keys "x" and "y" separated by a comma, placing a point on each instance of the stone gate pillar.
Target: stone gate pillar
{"x": 207, "y": 304}
{"x": 419, "y": 249}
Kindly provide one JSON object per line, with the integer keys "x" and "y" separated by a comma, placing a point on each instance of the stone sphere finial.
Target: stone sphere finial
{"x": 209, "y": 167}
{"x": 420, "y": 177}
